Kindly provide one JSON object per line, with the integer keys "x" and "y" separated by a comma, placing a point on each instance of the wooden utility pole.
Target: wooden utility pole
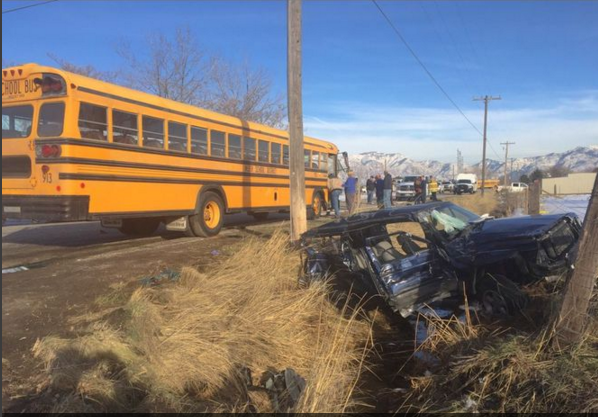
{"x": 486, "y": 100}
{"x": 295, "y": 105}
{"x": 533, "y": 197}
{"x": 573, "y": 316}
{"x": 506, "y": 145}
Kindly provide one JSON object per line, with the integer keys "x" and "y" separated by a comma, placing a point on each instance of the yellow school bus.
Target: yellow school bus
{"x": 75, "y": 149}
{"x": 490, "y": 183}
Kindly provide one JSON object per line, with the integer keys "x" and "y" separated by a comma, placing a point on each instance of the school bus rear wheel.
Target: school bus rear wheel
{"x": 210, "y": 217}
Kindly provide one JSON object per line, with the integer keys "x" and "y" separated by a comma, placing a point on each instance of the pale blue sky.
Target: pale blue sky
{"x": 362, "y": 89}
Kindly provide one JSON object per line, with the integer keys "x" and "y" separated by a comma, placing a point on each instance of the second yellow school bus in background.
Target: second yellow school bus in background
{"x": 75, "y": 148}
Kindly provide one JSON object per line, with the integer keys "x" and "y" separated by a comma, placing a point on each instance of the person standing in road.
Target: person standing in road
{"x": 433, "y": 188}
{"x": 371, "y": 189}
{"x": 424, "y": 185}
{"x": 387, "y": 190}
{"x": 335, "y": 187}
{"x": 351, "y": 192}
{"x": 379, "y": 191}
{"x": 417, "y": 186}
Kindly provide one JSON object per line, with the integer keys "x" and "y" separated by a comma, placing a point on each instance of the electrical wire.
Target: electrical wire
{"x": 425, "y": 68}
{"x": 16, "y": 9}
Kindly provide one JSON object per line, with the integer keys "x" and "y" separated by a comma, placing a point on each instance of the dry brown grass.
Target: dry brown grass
{"x": 182, "y": 347}
{"x": 477, "y": 203}
{"x": 493, "y": 368}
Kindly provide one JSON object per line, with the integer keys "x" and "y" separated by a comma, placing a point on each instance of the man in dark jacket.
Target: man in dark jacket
{"x": 379, "y": 191}
{"x": 387, "y": 190}
{"x": 371, "y": 189}
{"x": 424, "y": 186}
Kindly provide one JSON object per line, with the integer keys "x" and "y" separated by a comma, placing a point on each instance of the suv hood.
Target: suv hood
{"x": 493, "y": 240}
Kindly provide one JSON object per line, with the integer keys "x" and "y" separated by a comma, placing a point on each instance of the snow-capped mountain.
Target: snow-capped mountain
{"x": 581, "y": 159}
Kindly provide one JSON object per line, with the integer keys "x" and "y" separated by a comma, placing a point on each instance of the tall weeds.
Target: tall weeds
{"x": 188, "y": 346}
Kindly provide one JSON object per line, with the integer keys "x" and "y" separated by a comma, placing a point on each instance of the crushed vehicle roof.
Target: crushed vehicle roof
{"x": 362, "y": 220}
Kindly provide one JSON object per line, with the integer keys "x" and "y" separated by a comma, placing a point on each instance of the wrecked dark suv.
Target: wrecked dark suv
{"x": 417, "y": 255}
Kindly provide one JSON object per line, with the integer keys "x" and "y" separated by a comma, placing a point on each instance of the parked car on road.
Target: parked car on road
{"x": 406, "y": 188}
{"x": 456, "y": 249}
{"x": 515, "y": 187}
{"x": 446, "y": 187}
{"x": 466, "y": 183}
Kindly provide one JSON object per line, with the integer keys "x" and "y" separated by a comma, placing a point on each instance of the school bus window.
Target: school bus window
{"x": 323, "y": 162}
{"x": 93, "y": 122}
{"x": 177, "y": 137}
{"x": 16, "y": 122}
{"x": 199, "y": 141}
{"x": 234, "y": 147}
{"x": 153, "y": 132}
{"x": 285, "y": 155}
{"x": 264, "y": 151}
{"x": 218, "y": 144}
{"x": 276, "y": 153}
{"x": 307, "y": 158}
{"x": 51, "y": 120}
{"x": 124, "y": 128}
{"x": 332, "y": 164}
{"x": 315, "y": 160}
{"x": 249, "y": 153}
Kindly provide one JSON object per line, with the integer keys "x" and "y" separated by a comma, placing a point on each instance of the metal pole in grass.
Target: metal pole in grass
{"x": 572, "y": 319}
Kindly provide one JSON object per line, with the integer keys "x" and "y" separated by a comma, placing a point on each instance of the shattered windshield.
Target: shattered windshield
{"x": 449, "y": 221}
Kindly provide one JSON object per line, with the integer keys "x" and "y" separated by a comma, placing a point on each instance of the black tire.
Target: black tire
{"x": 140, "y": 227}
{"x": 499, "y": 296}
{"x": 201, "y": 224}
{"x": 260, "y": 217}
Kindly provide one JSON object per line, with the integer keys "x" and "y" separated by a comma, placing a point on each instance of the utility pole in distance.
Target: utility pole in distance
{"x": 506, "y": 145}
{"x": 486, "y": 100}
{"x": 295, "y": 105}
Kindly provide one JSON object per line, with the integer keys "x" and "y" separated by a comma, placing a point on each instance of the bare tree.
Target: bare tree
{"x": 176, "y": 69}
{"x": 87, "y": 70}
{"x": 181, "y": 70}
{"x": 559, "y": 171}
{"x": 243, "y": 92}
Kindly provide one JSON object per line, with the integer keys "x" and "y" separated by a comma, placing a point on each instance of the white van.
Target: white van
{"x": 466, "y": 183}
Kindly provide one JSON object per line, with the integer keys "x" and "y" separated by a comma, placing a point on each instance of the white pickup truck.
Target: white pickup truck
{"x": 515, "y": 187}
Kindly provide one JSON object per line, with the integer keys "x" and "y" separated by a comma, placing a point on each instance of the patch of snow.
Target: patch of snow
{"x": 577, "y": 204}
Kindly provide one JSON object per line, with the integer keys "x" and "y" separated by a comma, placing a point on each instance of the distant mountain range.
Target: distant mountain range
{"x": 581, "y": 159}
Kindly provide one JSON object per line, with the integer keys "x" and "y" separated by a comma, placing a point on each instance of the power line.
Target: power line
{"x": 466, "y": 67}
{"x": 16, "y": 9}
{"x": 396, "y": 30}
{"x": 471, "y": 45}
{"x": 443, "y": 43}
{"x": 493, "y": 150}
